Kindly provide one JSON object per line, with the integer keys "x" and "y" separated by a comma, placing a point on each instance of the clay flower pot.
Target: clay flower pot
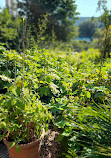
{"x": 30, "y": 150}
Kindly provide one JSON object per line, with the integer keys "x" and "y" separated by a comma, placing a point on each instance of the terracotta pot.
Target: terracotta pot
{"x": 30, "y": 150}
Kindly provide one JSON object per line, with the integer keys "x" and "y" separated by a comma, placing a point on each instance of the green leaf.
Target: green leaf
{"x": 18, "y": 148}
{"x": 48, "y": 79}
{"x": 18, "y": 91}
{"x": 66, "y": 134}
{"x": 61, "y": 123}
{"x": 59, "y": 138}
{"x": 13, "y": 89}
{"x": 11, "y": 145}
{"x": 88, "y": 94}
{"x": 4, "y": 124}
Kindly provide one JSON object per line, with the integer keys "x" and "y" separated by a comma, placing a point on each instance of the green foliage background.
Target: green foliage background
{"x": 75, "y": 87}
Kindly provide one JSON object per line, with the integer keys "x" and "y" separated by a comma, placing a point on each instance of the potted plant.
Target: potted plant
{"x": 24, "y": 119}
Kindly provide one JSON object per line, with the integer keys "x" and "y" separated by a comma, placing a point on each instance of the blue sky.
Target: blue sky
{"x": 2, "y": 3}
{"x": 85, "y": 7}
{"x": 88, "y": 7}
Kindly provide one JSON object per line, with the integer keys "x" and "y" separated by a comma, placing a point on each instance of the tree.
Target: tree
{"x": 61, "y": 17}
{"x": 105, "y": 18}
{"x": 87, "y": 28}
{"x": 9, "y": 28}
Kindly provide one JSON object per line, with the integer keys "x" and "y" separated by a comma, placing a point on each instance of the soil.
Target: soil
{"x": 50, "y": 148}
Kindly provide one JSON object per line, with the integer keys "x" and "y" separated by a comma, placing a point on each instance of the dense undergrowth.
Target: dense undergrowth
{"x": 77, "y": 89}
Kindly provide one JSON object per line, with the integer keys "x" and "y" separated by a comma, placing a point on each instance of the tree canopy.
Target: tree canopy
{"x": 62, "y": 14}
{"x": 9, "y": 28}
{"x": 105, "y": 18}
{"x": 87, "y": 28}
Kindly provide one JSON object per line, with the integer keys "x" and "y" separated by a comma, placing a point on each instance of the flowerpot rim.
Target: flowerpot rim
{"x": 30, "y": 144}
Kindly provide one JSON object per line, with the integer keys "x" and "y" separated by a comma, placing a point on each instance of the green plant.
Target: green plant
{"x": 25, "y": 117}
{"x": 84, "y": 129}
{"x": 95, "y": 126}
